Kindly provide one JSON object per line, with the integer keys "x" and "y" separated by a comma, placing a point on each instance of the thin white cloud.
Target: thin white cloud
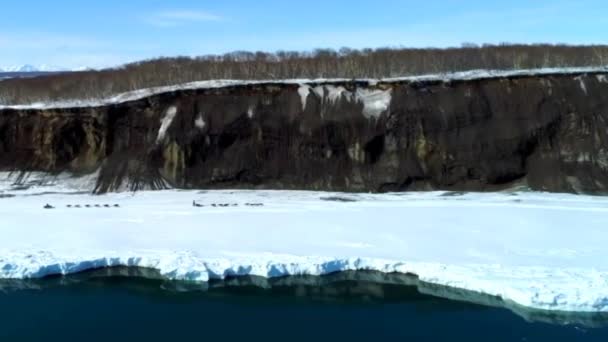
{"x": 172, "y": 18}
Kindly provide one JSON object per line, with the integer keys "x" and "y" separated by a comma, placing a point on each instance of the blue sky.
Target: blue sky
{"x": 93, "y": 33}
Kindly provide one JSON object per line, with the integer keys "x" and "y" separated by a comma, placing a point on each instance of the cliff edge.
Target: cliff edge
{"x": 546, "y": 131}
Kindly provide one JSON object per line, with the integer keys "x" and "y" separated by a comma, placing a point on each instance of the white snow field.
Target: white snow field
{"x": 539, "y": 250}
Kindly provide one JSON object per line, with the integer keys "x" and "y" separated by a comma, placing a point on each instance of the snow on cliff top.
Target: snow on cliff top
{"x": 539, "y": 250}
{"x": 143, "y": 93}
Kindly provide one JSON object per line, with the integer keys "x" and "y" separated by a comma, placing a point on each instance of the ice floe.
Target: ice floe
{"x": 539, "y": 250}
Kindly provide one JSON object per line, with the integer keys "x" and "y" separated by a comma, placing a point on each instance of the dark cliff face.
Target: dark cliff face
{"x": 546, "y": 132}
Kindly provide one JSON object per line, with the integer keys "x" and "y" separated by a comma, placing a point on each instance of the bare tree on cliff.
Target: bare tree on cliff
{"x": 320, "y": 63}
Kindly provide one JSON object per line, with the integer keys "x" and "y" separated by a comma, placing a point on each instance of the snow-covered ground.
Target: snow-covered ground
{"x": 208, "y": 84}
{"x": 545, "y": 251}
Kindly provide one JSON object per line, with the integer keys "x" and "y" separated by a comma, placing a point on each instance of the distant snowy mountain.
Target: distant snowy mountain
{"x": 40, "y": 68}
{"x": 22, "y": 68}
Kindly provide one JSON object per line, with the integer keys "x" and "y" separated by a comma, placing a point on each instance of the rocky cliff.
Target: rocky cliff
{"x": 547, "y": 132}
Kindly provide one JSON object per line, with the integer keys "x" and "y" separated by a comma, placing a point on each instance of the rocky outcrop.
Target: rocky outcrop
{"x": 547, "y": 132}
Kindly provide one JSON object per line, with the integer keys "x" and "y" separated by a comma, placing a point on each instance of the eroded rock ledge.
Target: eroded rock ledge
{"x": 547, "y": 131}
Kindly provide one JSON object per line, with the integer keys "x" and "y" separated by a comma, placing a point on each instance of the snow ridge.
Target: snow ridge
{"x": 210, "y": 84}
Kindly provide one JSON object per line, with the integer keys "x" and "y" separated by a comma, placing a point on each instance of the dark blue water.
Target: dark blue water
{"x": 134, "y": 309}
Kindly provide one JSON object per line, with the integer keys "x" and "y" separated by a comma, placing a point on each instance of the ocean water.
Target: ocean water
{"x": 124, "y": 306}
